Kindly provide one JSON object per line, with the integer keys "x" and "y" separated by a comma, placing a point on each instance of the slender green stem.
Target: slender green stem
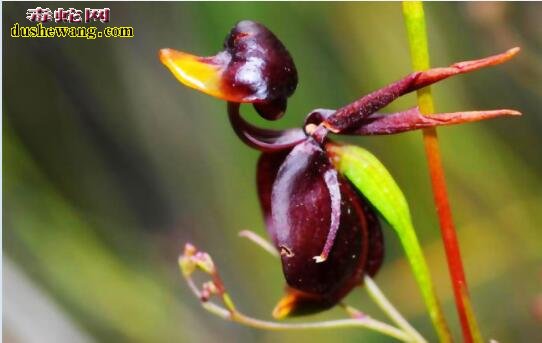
{"x": 417, "y": 35}
{"x": 259, "y": 241}
{"x": 380, "y": 299}
{"x": 365, "y": 322}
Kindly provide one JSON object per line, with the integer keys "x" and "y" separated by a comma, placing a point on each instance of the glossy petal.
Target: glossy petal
{"x": 260, "y": 66}
{"x": 301, "y": 208}
{"x": 358, "y": 247}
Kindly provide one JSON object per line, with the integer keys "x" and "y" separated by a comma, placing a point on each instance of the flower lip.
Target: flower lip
{"x": 254, "y": 67}
{"x": 260, "y": 66}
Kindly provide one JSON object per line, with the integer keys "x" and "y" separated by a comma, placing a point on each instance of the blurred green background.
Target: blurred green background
{"x": 110, "y": 166}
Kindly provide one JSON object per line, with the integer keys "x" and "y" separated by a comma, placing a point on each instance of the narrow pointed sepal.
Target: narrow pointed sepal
{"x": 413, "y": 119}
{"x": 433, "y": 75}
{"x": 351, "y": 116}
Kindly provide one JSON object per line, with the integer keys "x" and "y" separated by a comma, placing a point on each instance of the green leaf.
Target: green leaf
{"x": 374, "y": 181}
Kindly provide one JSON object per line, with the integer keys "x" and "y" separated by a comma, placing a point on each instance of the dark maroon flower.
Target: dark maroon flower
{"x": 327, "y": 234}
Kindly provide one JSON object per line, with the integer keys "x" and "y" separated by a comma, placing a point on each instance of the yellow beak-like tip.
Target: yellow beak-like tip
{"x": 193, "y": 71}
{"x": 285, "y": 306}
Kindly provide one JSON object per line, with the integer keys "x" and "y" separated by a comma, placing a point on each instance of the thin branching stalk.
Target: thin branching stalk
{"x": 380, "y": 299}
{"x": 193, "y": 260}
{"x": 365, "y": 322}
{"x": 417, "y": 36}
{"x": 259, "y": 241}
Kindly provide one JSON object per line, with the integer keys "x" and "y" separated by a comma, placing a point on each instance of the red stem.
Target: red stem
{"x": 449, "y": 237}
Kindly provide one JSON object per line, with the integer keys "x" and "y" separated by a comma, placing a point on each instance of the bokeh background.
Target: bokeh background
{"x": 110, "y": 166}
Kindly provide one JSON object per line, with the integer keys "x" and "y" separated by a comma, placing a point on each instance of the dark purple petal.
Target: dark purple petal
{"x": 356, "y": 217}
{"x": 263, "y": 139}
{"x": 298, "y": 212}
{"x": 412, "y": 119}
{"x": 301, "y": 219}
{"x": 259, "y": 68}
